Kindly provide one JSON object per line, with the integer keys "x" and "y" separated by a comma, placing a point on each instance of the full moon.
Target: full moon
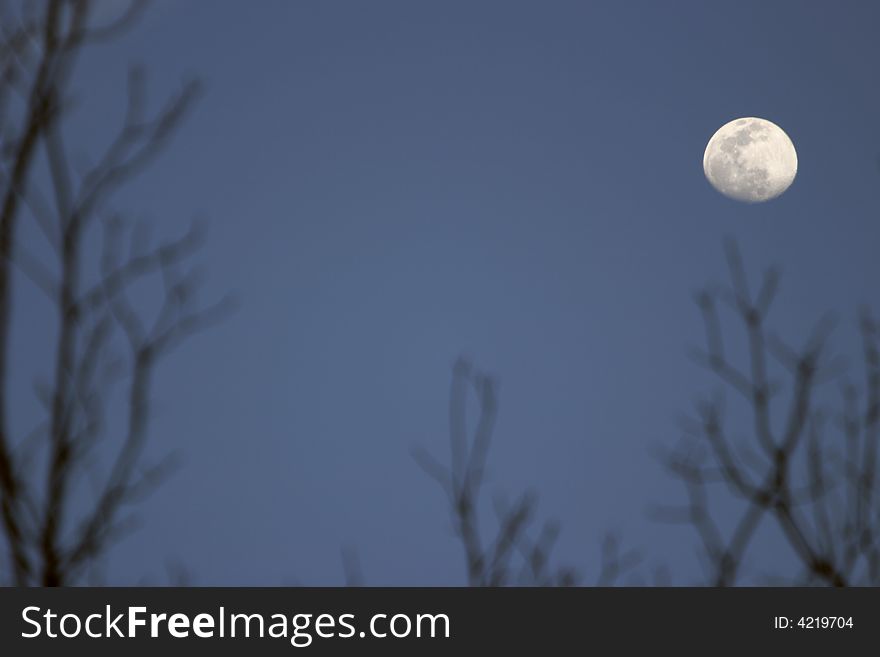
{"x": 750, "y": 160}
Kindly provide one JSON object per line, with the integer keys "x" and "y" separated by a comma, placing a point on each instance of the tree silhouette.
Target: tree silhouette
{"x": 809, "y": 463}
{"x": 103, "y": 341}
{"x": 518, "y": 551}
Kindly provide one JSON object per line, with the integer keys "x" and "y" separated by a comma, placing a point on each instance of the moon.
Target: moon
{"x": 750, "y": 160}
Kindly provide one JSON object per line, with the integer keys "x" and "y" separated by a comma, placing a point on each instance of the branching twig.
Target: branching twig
{"x": 510, "y": 556}
{"x": 830, "y": 521}
{"x": 50, "y": 542}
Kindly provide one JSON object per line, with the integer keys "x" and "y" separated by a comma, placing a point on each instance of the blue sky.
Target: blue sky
{"x": 392, "y": 184}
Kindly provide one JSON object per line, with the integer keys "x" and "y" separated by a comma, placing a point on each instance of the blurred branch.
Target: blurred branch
{"x": 830, "y": 520}
{"x": 510, "y": 556}
{"x": 49, "y": 542}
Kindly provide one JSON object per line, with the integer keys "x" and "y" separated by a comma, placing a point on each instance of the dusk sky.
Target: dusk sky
{"x": 390, "y": 185}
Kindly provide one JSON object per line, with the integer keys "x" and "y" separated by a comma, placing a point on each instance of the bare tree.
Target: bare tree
{"x": 808, "y": 463}
{"x": 103, "y": 341}
{"x": 518, "y": 552}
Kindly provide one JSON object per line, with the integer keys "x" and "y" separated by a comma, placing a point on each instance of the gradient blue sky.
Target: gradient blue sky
{"x": 392, "y": 184}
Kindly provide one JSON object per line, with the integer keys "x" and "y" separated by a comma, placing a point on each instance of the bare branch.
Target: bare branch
{"x": 828, "y": 540}
{"x": 491, "y": 562}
